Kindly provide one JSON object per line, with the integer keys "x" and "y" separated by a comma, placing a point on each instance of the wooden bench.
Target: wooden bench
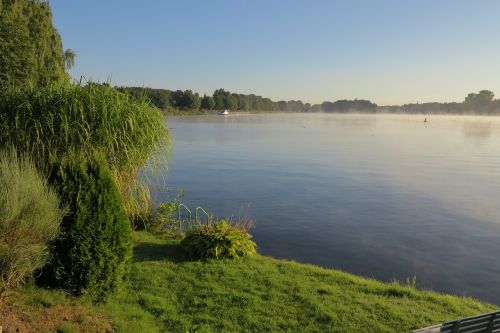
{"x": 485, "y": 323}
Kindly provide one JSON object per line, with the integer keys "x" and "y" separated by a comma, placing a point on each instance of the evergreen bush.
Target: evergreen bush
{"x": 90, "y": 257}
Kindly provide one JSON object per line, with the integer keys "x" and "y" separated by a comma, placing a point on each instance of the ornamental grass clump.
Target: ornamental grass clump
{"x": 219, "y": 239}
{"x": 30, "y": 216}
{"x": 92, "y": 254}
{"x": 48, "y": 122}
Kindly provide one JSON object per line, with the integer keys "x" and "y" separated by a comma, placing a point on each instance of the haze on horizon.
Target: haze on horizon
{"x": 390, "y": 51}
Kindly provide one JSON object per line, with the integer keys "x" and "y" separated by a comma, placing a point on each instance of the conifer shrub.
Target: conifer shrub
{"x": 29, "y": 218}
{"x": 91, "y": 256}
{"x": 219, "y": 239}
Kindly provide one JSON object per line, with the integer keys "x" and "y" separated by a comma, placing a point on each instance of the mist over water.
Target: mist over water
{"x": 384, "y": 196}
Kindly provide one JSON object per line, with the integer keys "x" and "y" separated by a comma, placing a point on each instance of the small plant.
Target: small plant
{"x": 411, "y": 282}
{"x": 29, "y": 218}
{"x": 165, "y": 217}
{"x": 219, "y": 239}
{"x": 66, "y": 328}
{"x": 91, "y": 256}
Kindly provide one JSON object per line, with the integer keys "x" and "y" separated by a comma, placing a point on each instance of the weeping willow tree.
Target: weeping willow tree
{"x": 31, "y": 50}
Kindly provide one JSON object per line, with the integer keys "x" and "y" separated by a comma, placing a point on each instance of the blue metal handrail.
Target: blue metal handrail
{"x": 179, "y": 214}
{"x": 199, "y": 208}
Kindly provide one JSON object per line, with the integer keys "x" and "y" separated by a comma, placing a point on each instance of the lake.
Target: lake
{"x": 383, "y": 196}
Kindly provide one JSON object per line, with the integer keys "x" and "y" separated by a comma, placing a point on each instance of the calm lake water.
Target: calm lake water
{"x": 383, "y": 196}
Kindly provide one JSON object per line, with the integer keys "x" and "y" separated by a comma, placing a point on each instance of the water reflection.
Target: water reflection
{"x": 477, "y": 130}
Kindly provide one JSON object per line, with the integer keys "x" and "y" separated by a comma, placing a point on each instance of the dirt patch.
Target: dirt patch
{"x": 14, "y": 318}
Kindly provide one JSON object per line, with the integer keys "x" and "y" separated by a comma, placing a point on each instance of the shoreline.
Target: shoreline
{"x": 168, "y": 292}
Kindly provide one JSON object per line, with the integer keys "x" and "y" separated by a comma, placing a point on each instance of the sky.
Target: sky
{"x": 387, "y": 51}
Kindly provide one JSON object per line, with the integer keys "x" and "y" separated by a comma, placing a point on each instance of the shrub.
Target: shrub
{"x": 91, "y": 256}
{"x": 29, "y": 218}
{"x": 48, "y": 122}
{"x": 165, "y": 216}
{"x": 219, "y": 239}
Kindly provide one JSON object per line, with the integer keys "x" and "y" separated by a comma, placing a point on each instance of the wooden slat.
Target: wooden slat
{"x": 485, "y": 323}
{"x": 430, "y": 329}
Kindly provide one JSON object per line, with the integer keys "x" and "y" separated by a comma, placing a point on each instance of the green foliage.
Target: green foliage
{"x": 69, "y": 58}
{"x": 138, "y": 206}
{"x": 191, "y": 100}
{"x": 479, "y": 102}
{"x": 50, "y": 121}
{"x": 207, "y": 102}
{"x": 218, "y": 240}
{"x": 165, "y": 216}
{"x": 29, "y": 218}
{"x": 345, "y": 106}
{"x": 161, "y": 98}
{"x": 91, "y": 256}
{"x": 30, "y": 47}
{"x": 66, "y": 328}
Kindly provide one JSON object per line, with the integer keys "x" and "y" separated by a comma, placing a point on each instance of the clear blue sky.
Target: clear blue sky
{"x": 393, "y": 51}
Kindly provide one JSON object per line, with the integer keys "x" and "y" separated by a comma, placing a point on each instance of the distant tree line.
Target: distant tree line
{"x": 480, "y": 103}
{"x": 345, "y": 106}
{"x": 187, "y": 100}
{"x": 222, "y": 99}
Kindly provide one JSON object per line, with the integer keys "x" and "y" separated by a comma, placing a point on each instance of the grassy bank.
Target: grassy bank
{"x": 166, "y": 292}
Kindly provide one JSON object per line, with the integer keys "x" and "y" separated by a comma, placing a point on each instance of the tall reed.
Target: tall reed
{"x": 49, "y": 122}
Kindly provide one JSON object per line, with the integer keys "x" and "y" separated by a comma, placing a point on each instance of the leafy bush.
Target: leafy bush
{"x": 91, "y": 256}
{"x": 219, "y": 239}
{"x": 48, "y": 122}
{"x": 165, "y": 216}
{"x": 29, "y": 218}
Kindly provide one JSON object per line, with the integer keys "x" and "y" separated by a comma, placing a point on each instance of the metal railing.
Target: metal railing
{"x": 198, "y": 213}
{"x": 179, "y": 215}
{"x": 199, "y": 208}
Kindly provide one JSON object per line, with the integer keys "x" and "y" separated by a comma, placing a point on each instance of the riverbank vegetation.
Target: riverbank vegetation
{"x": 85, "y": 144}
{"x": 30, "y": 214}
{"x": 166, "y": 291}
{"x": 71, "y": 197}
{"x": 186, "y": 102}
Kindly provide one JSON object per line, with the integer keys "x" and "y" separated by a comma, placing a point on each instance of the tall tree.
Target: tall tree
{"x": 192, "y": 100}
{"x": 479, "y": 102}
{"x": 207, "y": 102}
{"x": 30, "y": 47}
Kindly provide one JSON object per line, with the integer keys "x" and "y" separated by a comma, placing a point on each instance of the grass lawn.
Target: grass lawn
{"x": 166, "y": 292}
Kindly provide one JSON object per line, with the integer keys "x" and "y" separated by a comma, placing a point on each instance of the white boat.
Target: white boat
{"x": 224, "y": 112}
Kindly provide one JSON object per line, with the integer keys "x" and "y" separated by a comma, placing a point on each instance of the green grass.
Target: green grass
{"x": 168, "y": 293}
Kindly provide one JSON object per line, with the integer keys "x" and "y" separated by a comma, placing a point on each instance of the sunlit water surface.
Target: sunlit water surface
{"x": 383, "y": 196}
